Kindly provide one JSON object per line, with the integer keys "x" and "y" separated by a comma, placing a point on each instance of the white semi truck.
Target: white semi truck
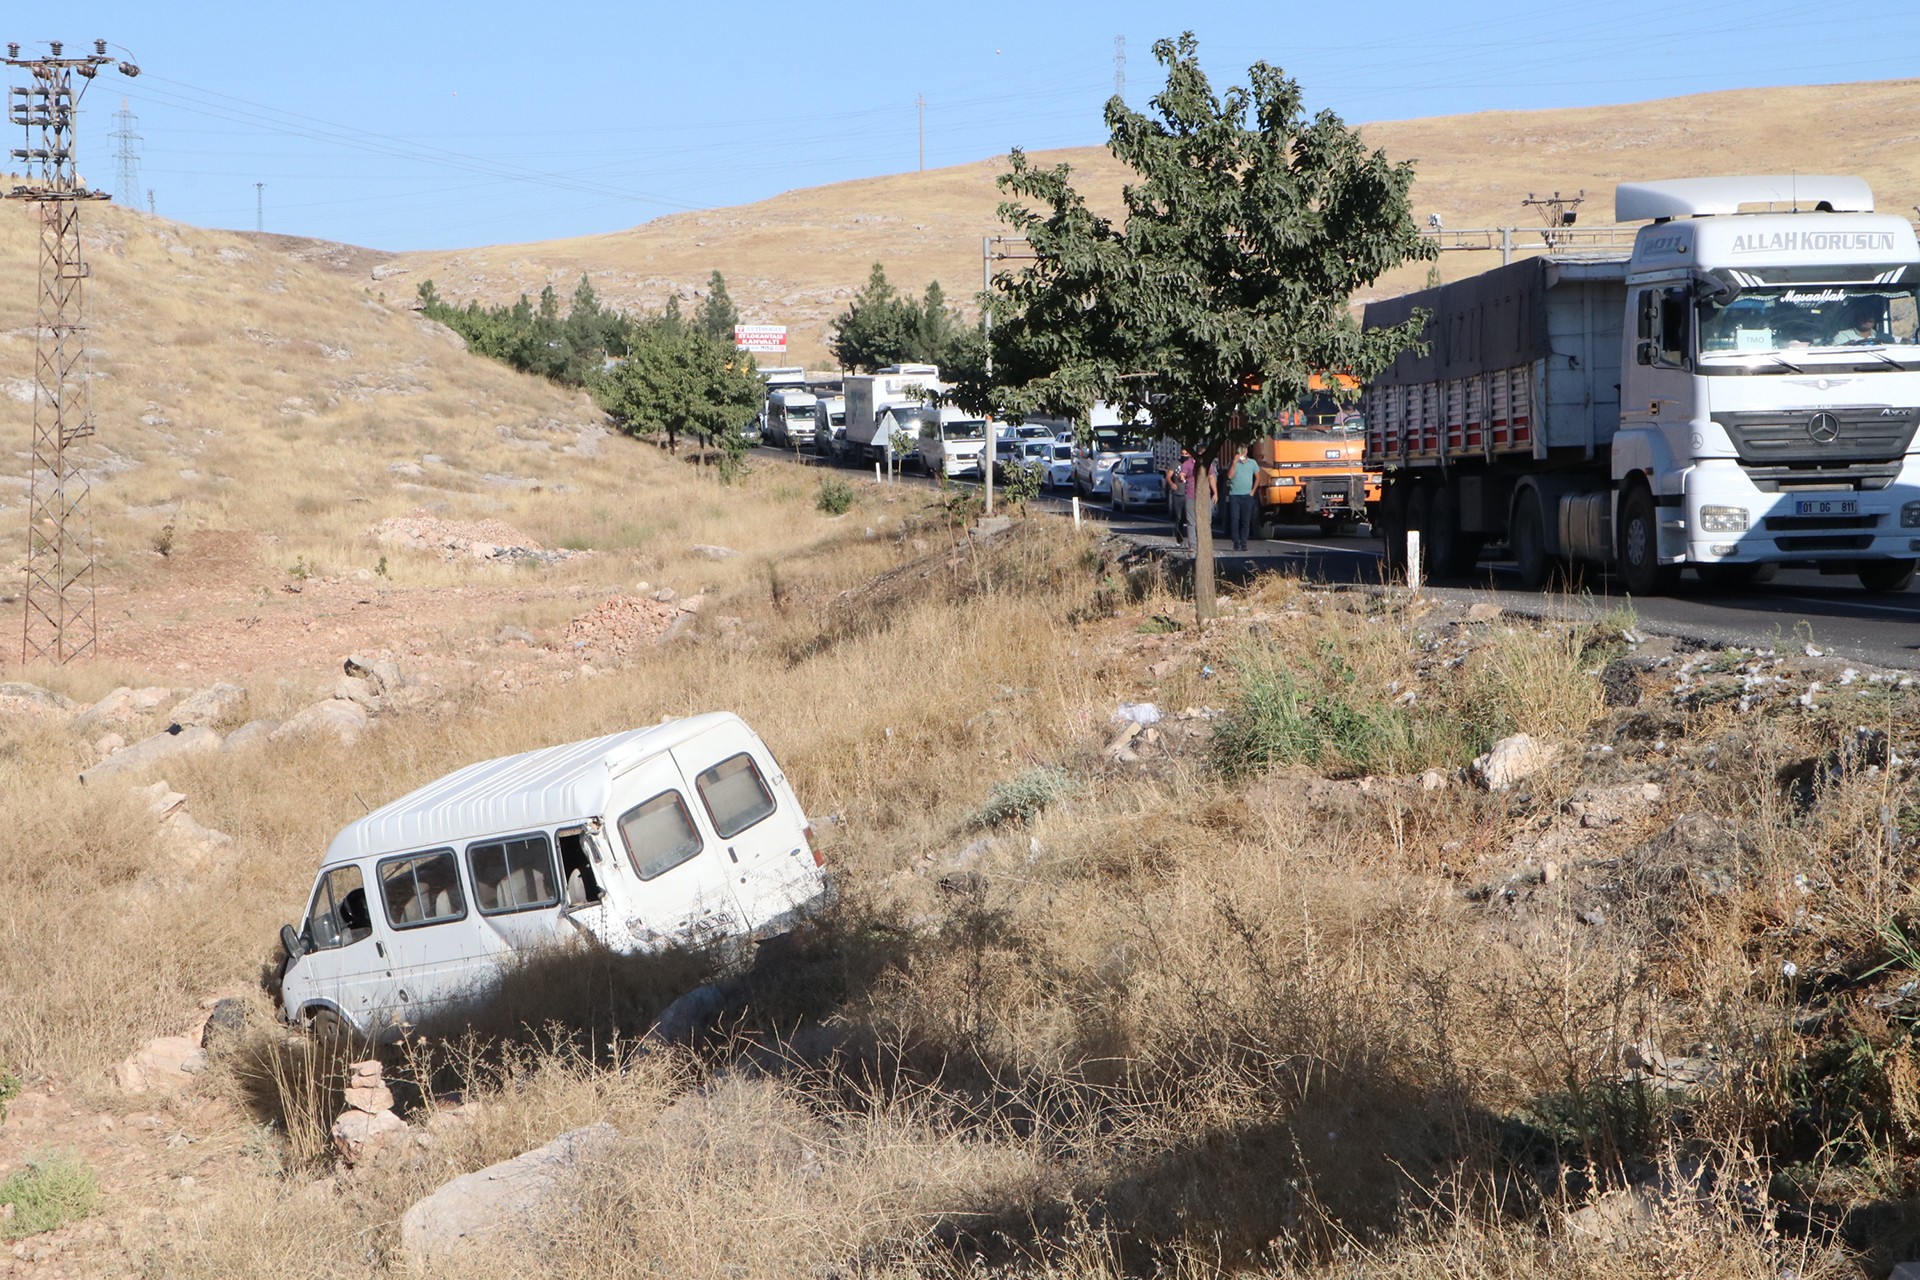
{"x": 1739, "y": 392}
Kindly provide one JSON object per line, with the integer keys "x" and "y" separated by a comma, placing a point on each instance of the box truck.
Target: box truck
{"x": 1739, "y": 391}
{"x": 869, "y": 396}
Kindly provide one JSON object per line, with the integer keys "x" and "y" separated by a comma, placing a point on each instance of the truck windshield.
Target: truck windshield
{"x": 1777, "y": 319}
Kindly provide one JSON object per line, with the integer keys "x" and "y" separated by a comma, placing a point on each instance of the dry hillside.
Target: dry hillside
{"x": 797, "y": 258}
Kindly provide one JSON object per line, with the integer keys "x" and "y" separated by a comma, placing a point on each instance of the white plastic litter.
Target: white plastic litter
{"x": 1140, "y": 713}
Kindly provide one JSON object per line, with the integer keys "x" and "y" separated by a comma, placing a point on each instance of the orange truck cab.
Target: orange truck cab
{"x": 1310, "y": 468}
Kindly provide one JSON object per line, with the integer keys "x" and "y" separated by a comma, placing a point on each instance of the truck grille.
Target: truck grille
{"x": 1860, "y": 448}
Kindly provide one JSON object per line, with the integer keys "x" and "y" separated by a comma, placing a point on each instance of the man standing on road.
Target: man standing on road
{"x": 1180, "y": 496}
{"x": 1241, "y": 478}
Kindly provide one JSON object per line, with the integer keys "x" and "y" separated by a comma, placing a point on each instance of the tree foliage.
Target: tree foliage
{"x": 536, "y": 339}
{"x": 1249, "y": 227}
{"x": 679, "y": 381}
{"x": 882, "y": 327}
{"x": 717, "y": 315}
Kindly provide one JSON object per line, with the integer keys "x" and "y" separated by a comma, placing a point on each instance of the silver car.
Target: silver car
{"x": 1137, "y": 482}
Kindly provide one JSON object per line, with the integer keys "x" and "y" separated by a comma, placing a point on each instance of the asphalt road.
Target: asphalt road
{"x": 1800, "y": 606}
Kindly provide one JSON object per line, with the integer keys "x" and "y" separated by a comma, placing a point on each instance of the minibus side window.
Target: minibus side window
{"x": 423, "y": 888}
{"x": 338, "y": 916}
{"x": 512, "y": 875}
{"x": 660, "y": 834}
{"x": 735, "y": 794}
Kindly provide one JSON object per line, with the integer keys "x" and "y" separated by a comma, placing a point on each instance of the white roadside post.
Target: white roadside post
{"x": 1413, "y": 559}
{"x": 1076, "y": 510}
{"x": 876, "y": 473}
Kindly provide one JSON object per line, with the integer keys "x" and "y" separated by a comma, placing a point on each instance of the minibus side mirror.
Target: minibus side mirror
{"x": 290, "y": 939}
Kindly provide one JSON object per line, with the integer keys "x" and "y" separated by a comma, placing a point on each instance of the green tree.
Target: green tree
{"x": 717, "y": 315}
{"x": 877, "y": 329}
{"x": 1248, "y": 228}
{"x": 679, "y": 381}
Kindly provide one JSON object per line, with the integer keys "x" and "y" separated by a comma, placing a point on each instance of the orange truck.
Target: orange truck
{"x": 1310, "y": 468}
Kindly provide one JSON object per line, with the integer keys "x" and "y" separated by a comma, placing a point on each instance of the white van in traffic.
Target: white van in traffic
{"x": 686, "y": 832}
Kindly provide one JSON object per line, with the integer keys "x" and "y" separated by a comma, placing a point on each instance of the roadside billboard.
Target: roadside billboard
{"x": 769, "y": 339}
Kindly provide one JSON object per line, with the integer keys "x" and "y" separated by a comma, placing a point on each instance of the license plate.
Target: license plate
{"x": 1827, "y": 507}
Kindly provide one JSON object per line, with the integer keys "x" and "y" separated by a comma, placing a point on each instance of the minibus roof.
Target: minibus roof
{"x": 535, "y": 789}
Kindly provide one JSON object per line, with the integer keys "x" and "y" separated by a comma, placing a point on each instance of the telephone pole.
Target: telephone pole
{"x": 259, "y": 206}
{"x": 59, "y": 625}
{"x": 920, "y": 101}
{"x": 127, "y": 188}
{"x": 1119, "y": 66}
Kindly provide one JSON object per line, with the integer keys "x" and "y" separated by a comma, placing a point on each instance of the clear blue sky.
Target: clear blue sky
{"x": 423, "y": 124}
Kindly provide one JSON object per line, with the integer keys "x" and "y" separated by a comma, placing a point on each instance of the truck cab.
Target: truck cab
{"x": 1771, "y": 385}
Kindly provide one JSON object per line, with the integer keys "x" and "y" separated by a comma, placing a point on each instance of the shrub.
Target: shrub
{"x": 836, "y": 496}
{"x": 1026, "y": 795}
{"x": 50, "y": 1191}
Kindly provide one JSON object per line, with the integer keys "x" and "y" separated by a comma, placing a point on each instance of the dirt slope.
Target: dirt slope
{"x": 795, "y": 259}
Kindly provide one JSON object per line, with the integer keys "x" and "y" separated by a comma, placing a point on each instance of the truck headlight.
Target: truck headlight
{"x": 1723, "y": 519}
{"x": 1910, "y": 515}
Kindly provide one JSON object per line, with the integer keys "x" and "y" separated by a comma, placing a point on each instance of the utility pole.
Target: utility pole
{"x": 920, "y": 101}
{"x": 1558, "y": 211}
{"x": 150, "y": 208}
{"x": 127, "y": 189}
{"x": 259, "y": 206}
{"x": 60, "y": 618}
{"x": 986, "y": 332}
{"x": 1119, "y": 66}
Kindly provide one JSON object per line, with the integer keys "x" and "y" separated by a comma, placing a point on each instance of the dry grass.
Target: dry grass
{"x": 1162, "y": 1023}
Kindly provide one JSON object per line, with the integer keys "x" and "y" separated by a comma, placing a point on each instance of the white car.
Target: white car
{"x": 1059, "y": 473}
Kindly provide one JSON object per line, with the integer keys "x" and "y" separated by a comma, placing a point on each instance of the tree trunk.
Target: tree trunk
{"x": 1205, "y": 608}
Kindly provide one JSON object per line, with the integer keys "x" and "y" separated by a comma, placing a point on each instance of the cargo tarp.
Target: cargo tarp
{"x": 1495, "y": 320}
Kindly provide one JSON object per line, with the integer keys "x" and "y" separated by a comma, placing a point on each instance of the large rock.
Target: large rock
{"x": 22, "y": 701}
{"x": 162, "y": 1065}
{"x": 221, "y": 702}
{"x": 336, "y": 717}
{"x": 252, "y": 734}
{"x": 120, "y": 708}
{"x": 479, "y": 1209}
{"x": 1512, "y": 760}
{"x": 170, "y": 745}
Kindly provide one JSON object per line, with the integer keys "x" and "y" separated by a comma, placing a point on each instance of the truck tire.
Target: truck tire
{"x": 1390, "y": 525}
{"x": 1528, "y": 541}
{"x": 1639, "y": 550}
{"x": 1454, "y": 550}
{"x": 1883, "y": 576}
{"x": 1420, "y": 516}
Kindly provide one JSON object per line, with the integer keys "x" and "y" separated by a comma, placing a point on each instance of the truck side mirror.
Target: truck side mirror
{"x": 1649, "y": 315}
{"x": 1645, "y": 351}
{"x": 290, "y": 940}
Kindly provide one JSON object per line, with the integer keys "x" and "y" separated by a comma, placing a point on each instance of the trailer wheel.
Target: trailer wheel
{"x": 1528, "y": 540}
{"x": 1390, "y": 524}
{"x": 1420, "y": 516}
{"x": 1639, "y": 550}
{"x": 1881, "y": 576}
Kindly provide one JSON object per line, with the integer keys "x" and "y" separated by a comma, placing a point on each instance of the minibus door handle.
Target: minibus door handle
{"x": 380, "y": 948}
{"x": 732, "y": 854}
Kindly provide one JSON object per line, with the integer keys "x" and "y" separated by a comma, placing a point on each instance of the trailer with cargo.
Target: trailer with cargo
{"x": 1739, "y": 391}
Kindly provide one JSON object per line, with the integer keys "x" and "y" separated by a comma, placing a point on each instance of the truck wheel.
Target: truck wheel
{"x": 1881, "y": 576}
{"x": 1443, "y": 535}
{"x": 1390, "y": 525}
{"x": 1528, "y": 540}
{"x": 1639, "y": 550}
{"x": 331, "y": 1034}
